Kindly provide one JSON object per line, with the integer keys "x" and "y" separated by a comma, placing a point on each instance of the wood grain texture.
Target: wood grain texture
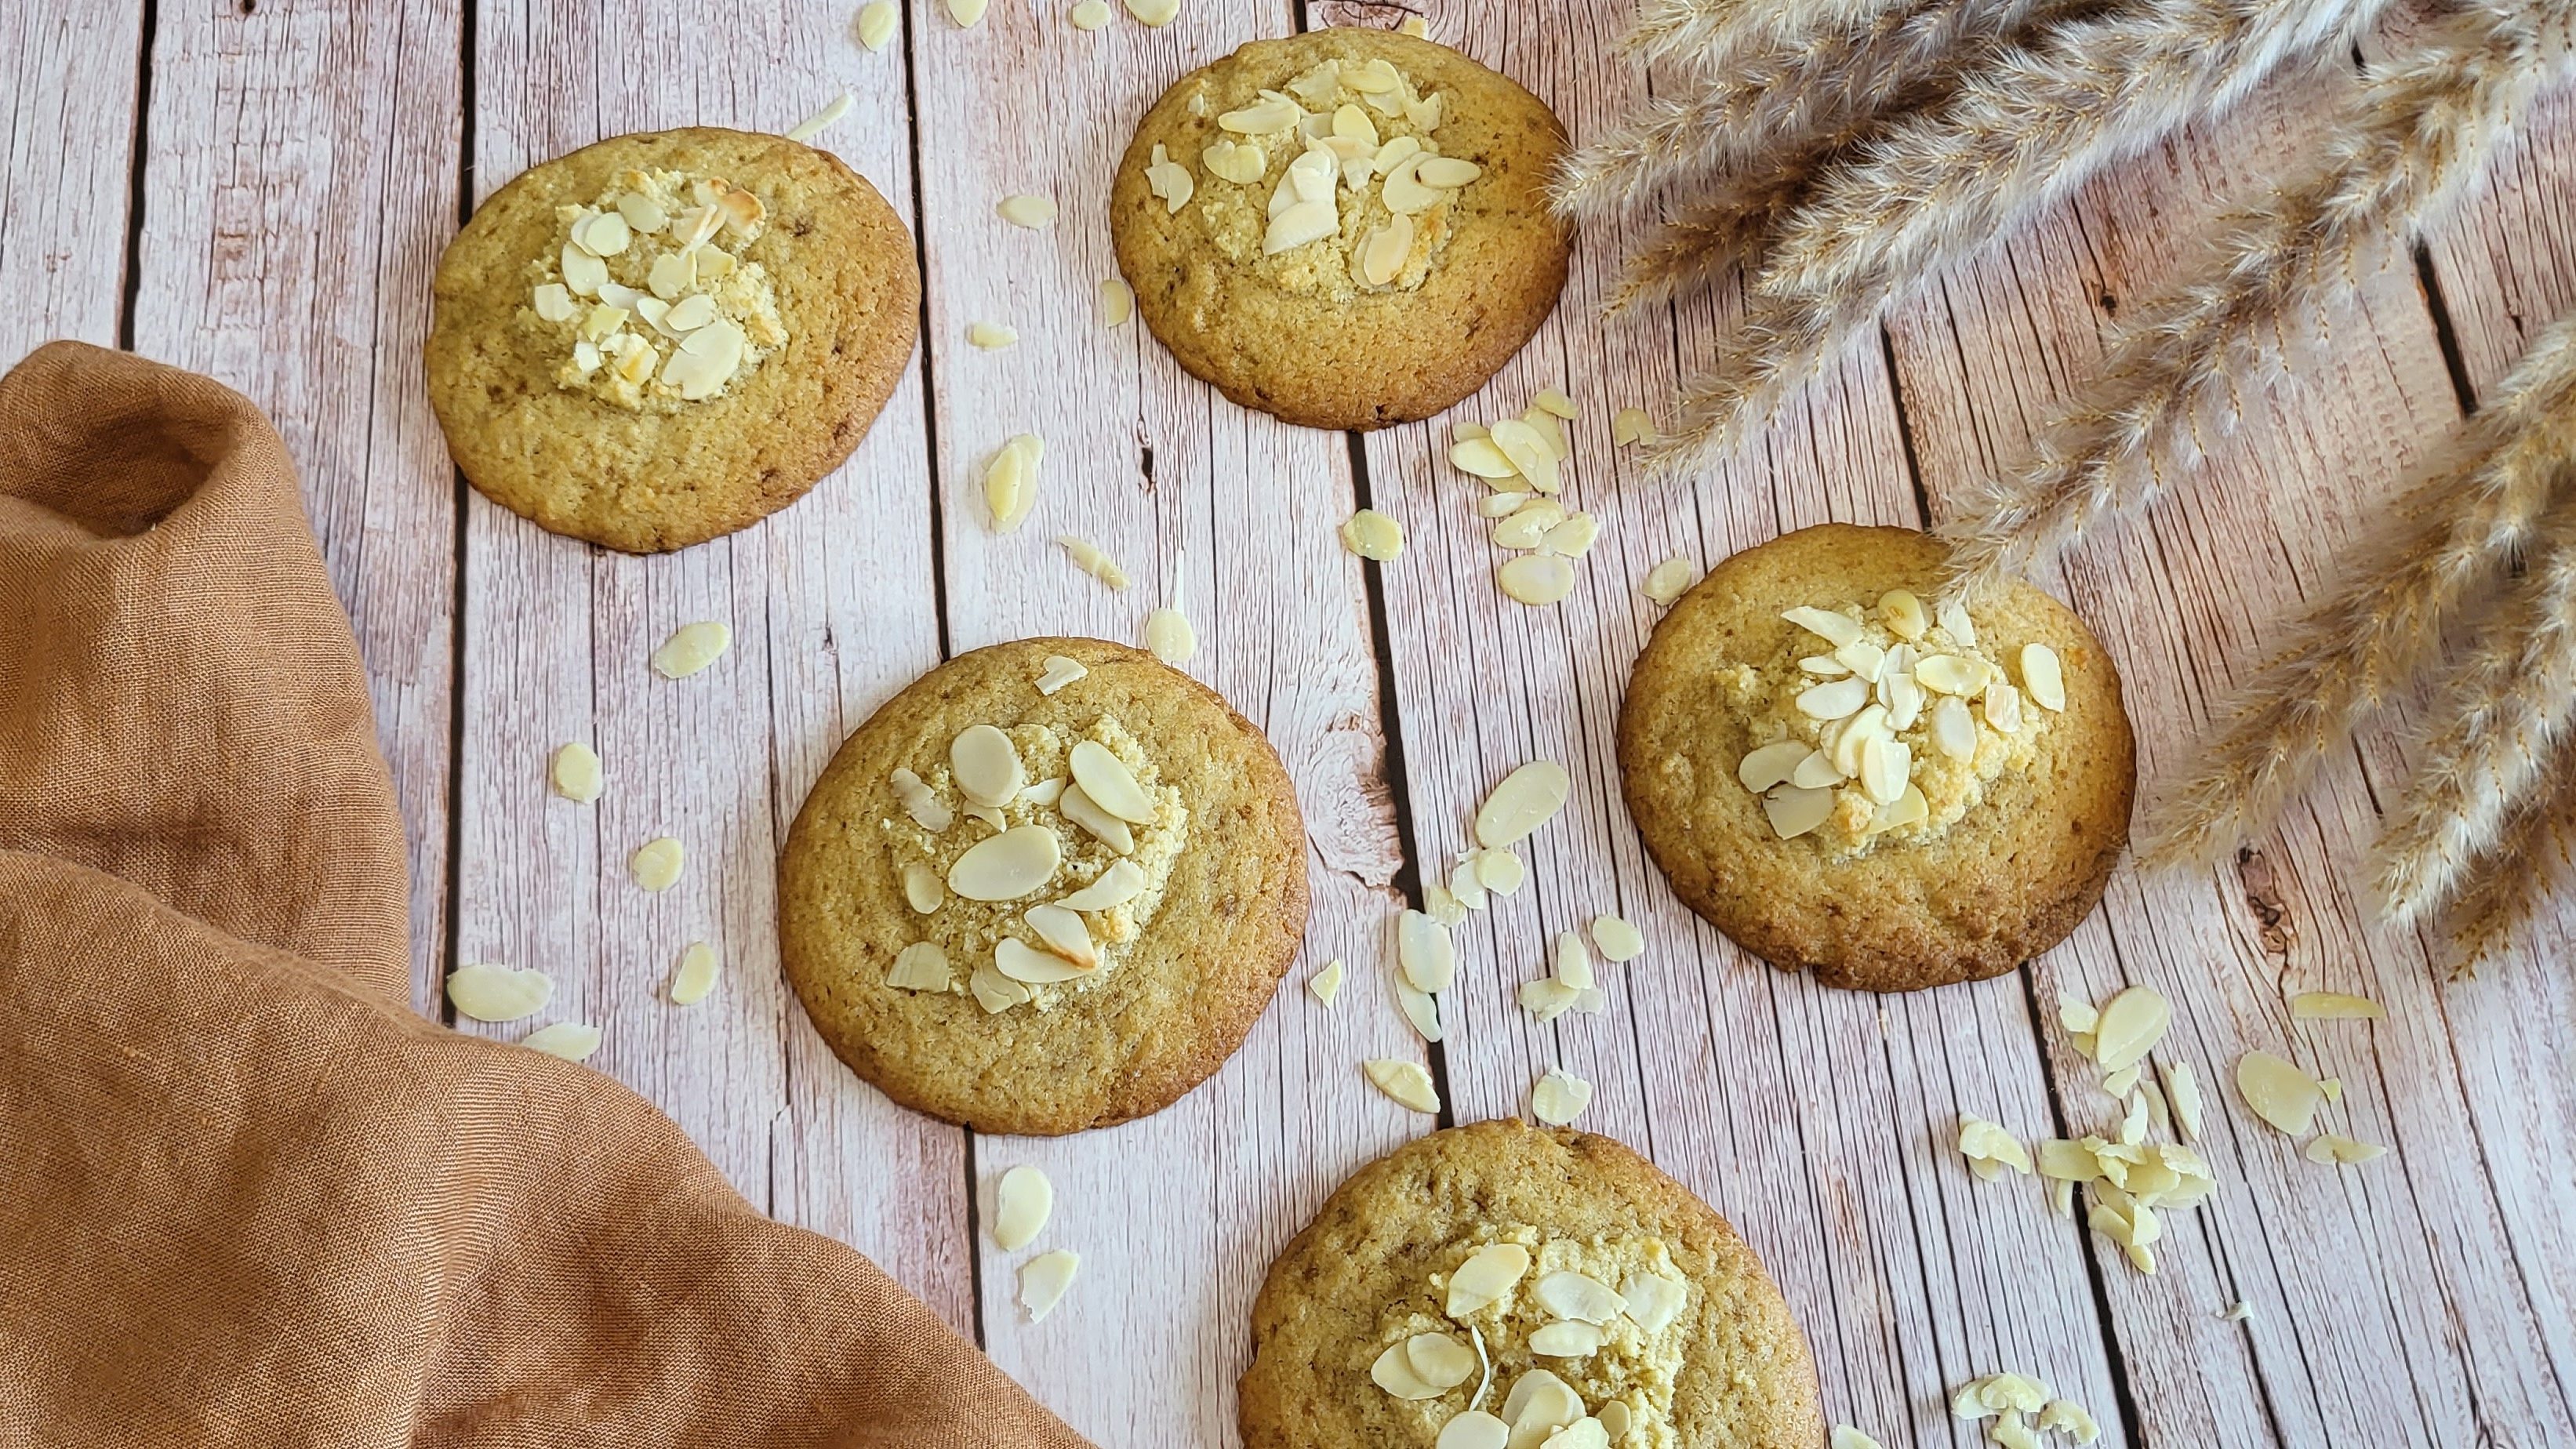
{"x": 71, "y": 73}
{"x": 2344, "y": 1268}
{"x": 831, "y": 607}
{"x": 299, "y": 178}
{"x": 1176, "y": 1216}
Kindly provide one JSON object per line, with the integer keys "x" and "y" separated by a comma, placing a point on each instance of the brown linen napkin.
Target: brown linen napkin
{"x": 246, "y": 1195}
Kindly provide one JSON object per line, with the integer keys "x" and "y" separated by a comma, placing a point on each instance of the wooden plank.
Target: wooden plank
{"x": 299, "y": 179}
{"x": 1819, "y": 1125}
{"x": 1177, "y": 1216}
{"x": 2345, "y": 1270}
{"x": 831, "y": 604}
{"x": 71, "y": 73}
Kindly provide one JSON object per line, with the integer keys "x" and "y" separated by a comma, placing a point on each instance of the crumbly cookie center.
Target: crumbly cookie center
{"x": 1894, "y": 729}
{"x": 647, "y": 305}
{"x": 1525, "y": 1341}
{"x": 1032, "y": 858}
{"x": 1331, "y": 186}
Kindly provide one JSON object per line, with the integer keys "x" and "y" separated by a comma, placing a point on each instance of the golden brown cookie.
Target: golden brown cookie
{"x": 1097, "y": 955}
{"x": 667, "y": 336}
{"x": 1267, "y": 272}
{"x": 1662, "y": 1325}
{"x": 1948, "y": 822}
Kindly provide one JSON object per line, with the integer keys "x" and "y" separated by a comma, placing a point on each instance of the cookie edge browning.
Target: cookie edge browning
{"x": 1894, "y": 958}
{"x": 1264, "y": 1411}
{"x": 872, "y": 374}
{"x": 1224, "y": 1022}
{"x": 1446, "y": 376}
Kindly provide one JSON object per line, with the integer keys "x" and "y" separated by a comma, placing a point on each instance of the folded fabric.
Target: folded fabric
{"x": 247, "y": 1195}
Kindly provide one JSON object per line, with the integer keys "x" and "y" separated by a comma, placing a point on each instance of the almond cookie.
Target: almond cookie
{"x": 1343, "y": 229}
{"x": 668, "y": 336}
{"x": 1048, "y": 886}
{"x": 1848, "y": 779}
{"x": 1503, "y": 1286}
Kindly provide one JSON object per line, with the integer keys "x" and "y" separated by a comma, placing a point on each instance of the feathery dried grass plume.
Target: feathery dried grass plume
{"x": 2498, "y": 719}
{"x": 1784, "y": 105}
{"x": 2505, "y": 892}
{"x": 1706, "y": 36}
{"x": 1933, "y": 187}
{"x": 2404, "y": 143}
{"x": 2382, "y": 626}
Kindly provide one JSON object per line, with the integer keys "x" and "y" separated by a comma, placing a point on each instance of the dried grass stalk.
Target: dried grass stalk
{"x": 1707, "y": 36}
{"x": 2382, "y": 625}
{"x": 2505, "y": 890}
{"x": 2399, "y": 152}
{"x": 1725, "y": 225}
{"x": 1936, "y": 186}
{"x": 2497, "y": 720}
{"x": 1786, "y": 105}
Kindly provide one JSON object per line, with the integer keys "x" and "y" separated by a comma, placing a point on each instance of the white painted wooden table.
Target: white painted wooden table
{"x": 259, "y": 189}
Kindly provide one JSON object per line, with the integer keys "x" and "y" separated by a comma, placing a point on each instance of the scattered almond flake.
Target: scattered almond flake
{"x": 839, "y": 106}
{"x": 1007, "y": 866}
{"x": 2159, "y": 1112}
{"x": 1989, "y": 1148}
{"x": 1547, "y": 998}
{"x": 2278, "y": 1091}
{"x": 2133, "y": 1122}
{"x": 1559, "y": 1098}
{"x": 2075, "y": 1013}
{"x": 1479, "y": 456}
{"x": 1060, "y": 671}
{"x": 1021, "y": 1205}
{"x": 655, "y": 865}
{"x": 574, "y": 772}
{"x": 690, "y": 648}
{"x": 1011, "y": 481}
{"x": 1847, "y": 1437}
{"x": 1574, "y": 537}
{"x": 2131, "y": 1024}
{"x": 1526, "y": 799}
{"x": 2182, "y": 1092}
{"x": 1528, "y": 451}
{"x": 2335, "y": 1006}
{"x": 1327, "y": 983}
{"x": 1669, "y": 580}
{"x": 2118, "y": 1083}
{"x": 1419, "y": 29}
{"x": 1421, "y": 1010}
{"x": 1088, "y": 557}
{"x": 1631, "y": 426}
{"x": 488, "y": 992}
{"x": 1044, "y": 1279}
{"x": 1117, "y": 303}
{"x": 1465, "y": 887}
{"x": 966, "y": 12}
{"x": 2332, "y": 1087}
{"x": 695, "y": 975}
{"x": 573, "y": 1041}
{"x": 1154, "y": 13}
{"x": 878, "y": 21}
{"x": 2336, "y": 1148}
{"x": 1407, "y": 1085}
{"x": 1500, "y": 871}
{"x": 2009, "y": 1432}
{"x": 1034, "y": 212}
{"x": 1091, "y": 14}
{"x": 1169, "y": 635}
{"x": 2238, "y": 1311}
{"x": 991, "y": 336}
{"x": 1617, "y": 939}
{"x": 1423, "y": 950}
{"x": 1373, "y": 535}
{"x": 1440, "y": 905}
{"x": 1554, "y": 401}
{"x": 921, "y": 966}
{"x": 1573, "y": 963}
{"x": 1502, "y": 505}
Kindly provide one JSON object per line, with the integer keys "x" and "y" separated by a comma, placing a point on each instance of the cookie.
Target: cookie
{"x": 1846, "y": 779}
{"x": 1595, "y": 1286}
{"x": 1048, "y": 886}
{"x": 668, "y": 336}
{"x": 1343, "y": 229}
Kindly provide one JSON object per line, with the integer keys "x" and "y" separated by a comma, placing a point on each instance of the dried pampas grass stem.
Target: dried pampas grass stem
{"x": 2415, "y": 131}
{"x": 1707, "y": 36}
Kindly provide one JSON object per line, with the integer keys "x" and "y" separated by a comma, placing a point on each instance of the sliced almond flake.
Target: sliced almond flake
{"x": 1327, "y": 983}
{"x": 2335, "y": 1006}
{"x": 1447, "y": 173}
{"x": 2131, "y": 1025}
{"x": 1503, "y": 505}
{"x": 1834, "y": 699}
{"x": 1465, "y": 886}
{"x": 1421, "y": 1010}
{"x": 1078, "y": 807}
{"x": 2118, "y": 1083}
{"x": 985, "y": 765}
{"x": 839, "y": 106}
{"x": 1574, "y": 537}
{"x": 554, "y": 303}
{"x": 1479, "y": 456}
{"x": 1669, "y": 580}
{"x": 1393, "y": 1371}
{"x": 2042, "y": 678}
{"x": 1954, "y": 621}
{"x": 995, "y": 992}
{"x": 1555, "y": 401}
{"x": 1573, "y": 964}
{"x": 1060, "y": 671}
{"x": 1984, "y": 1141}
{"x": 1524, "y": 530}
{"x": 689, "y": 314}
{"x": 1154, "y": 14}
{"x": 1528, "y": 451}
{"x": 1120, "y": 883}
{"x": 1020, "y": 961}
{"x": 1169, "y": 635}
{"x": 1474, "y": 1429}
{"x": 2332, "y": 1087}
{"x": 705, "y": 360}
{"x": 488, "y": 992}
{"x": 2238, "y": 1311}
{"x": 990, "y": 336}
{"x": 1847, "y": 1437}
{"x": 878, "y": 21}
{"x": 655, "y": 865}
{"x": 1044, "y": 1279}
{"x": 1169, "y": 180}
{"x": 1537, "y": 579}
{"x": 1117, "y": 303}
{"x": 1011, "y": 481}
{"x": 1567, "y": 1340}
{"x": 1423, "y": 950}
{"x": 573, "y": 1041}
{"x": 1063, "y": 932}
{"x": 1091, "y": 559}
{"x": 691, "y": 647}
{"x": 2133, "y": 1122}
{"x": 2278, "y": 1091}
{"x": 1631, "y": 426}
{"x": 1653, "y": 1300}
{"x": 1110, "y": 784}
{"x": 1304, "y": 222}
{"x": 920, "y": 803}
{"x": 1550, "y": 429}
{"x": 1617, "y": 940}
{"x": 966, "y": 12}
{"x": 1372, "y": 535}
{"x": 1091, "y": 14}
{"x": 1500, "y": 871}
{"x": 1547, "y": 998}
{"x": 2346, "y": 1151}
{"x": 1482, "y": 1280}
{"x": 2009, "y": 1432}
{"x": 1024, "y": 210}
{"x": 2075, "y": 1013}
{"x": 1834, "y": 628}
{"x": 1407, "y": 1085}
{"x": 921, "y": 966}
{"x": 1241, "y": 162}
{"x": 1794, "y": 811}
{"x": 695, "y": 975}
{"x": 2182, "y": 1092}
{"x": 923, "y": 890}
{"x": 1007, "y": 866}
{"x": 1441, "y": 906}
{"x": 1524, "y": 800}
{"x": 1021, "y": 1205}
{"x": 574, "y": 772}
{"x": 2159, "y": 1111}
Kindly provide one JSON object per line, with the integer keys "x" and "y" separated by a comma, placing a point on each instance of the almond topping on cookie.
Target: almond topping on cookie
{"x": 1060, "y": 671}
{"x": 986, "y": 765}
{"x": 921, "y": 966}
{"x": 1169, "y": 180}
{"x": 2042, "y": 678}
{"x": 1578, "y": 1296}
{"x": 920, "y": 803}
{"x": 1488, "y": 1274}
{"x": 1007, "y": 866}
{"x": 1474, "y": 1429}
{"x": 1022, "y": 962}
{"x": 995, "y": 992}
{"x": 1120, "y": 883}
{"x": 1064, "y": 933}
{"x": 1383, "y": 254}
{"x": 1078, "y": 807}
{"x": 1439, "y": 1359}
{"x": 1406, "y": 1084}
{"x": 1566, "y": 1340}
{"x": 1107, "y": 780}
{"x": 1794, "y": 810}
{"x": 487, "y": 992}
{"x": 1393, "y": 1371}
